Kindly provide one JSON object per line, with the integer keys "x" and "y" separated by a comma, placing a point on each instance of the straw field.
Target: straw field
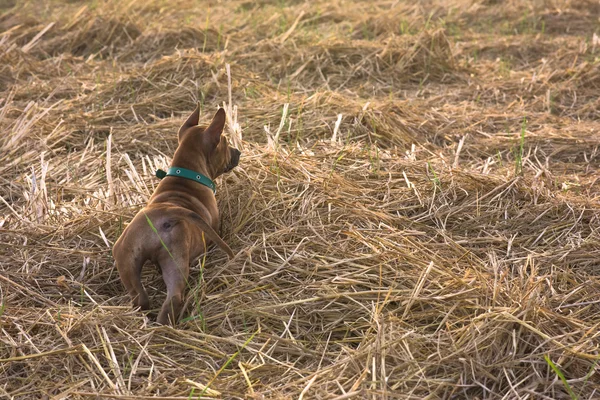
{"x": 415, "y": 213}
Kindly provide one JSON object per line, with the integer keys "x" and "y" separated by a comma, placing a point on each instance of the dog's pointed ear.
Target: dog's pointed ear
{"x": 212, "y": 134}
{"x": 191, "y": 121}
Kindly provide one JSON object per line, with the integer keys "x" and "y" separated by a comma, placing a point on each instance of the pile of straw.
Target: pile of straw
{"x": 415, "y": 214}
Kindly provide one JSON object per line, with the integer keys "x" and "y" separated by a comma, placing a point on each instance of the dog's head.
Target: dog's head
{"x": 205, "y": 147}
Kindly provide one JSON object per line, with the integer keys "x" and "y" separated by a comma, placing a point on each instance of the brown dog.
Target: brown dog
{"x": 181, "y": 217}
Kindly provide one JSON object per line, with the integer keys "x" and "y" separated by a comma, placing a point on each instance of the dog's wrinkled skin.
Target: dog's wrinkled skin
{"x": 184, "y": 213}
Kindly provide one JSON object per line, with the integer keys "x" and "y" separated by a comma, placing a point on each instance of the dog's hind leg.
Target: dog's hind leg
{"x": 130, "y": 271}
{"x": 175, "y": 273}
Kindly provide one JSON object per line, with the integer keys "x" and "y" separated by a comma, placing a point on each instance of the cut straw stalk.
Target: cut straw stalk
{"x": 111, "y": 189}
{"x": 354, "y": 311}
{"x": 273, "y": 138}
{"x": 232, "y": 115}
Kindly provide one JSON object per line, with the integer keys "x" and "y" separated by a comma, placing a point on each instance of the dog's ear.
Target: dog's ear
{"x": 191, "y": 121}
{"x": 212, "y": 134}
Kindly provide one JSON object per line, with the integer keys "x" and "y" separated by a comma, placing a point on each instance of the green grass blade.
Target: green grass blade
{"x": 559, "y": 373}
{"x": 519, "y": 157}
{"x": 233, "y": 356}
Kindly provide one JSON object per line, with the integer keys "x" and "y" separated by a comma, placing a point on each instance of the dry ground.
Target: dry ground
{"x": 422, "y": 221}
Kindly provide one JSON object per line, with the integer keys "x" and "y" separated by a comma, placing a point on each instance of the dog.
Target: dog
{"x": 181, "y": 218}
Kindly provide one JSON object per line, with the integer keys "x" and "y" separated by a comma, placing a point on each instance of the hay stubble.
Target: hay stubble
{"x": 402, "y": 259}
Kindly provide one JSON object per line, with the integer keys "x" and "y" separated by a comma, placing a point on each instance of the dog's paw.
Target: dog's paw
{"x": 142, "y": 302}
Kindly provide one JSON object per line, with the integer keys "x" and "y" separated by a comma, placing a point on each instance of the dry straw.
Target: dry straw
{"x": 386, "y": 248}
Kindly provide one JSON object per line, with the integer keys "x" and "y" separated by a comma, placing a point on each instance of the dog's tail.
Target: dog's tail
{"x": 210, "y": 232}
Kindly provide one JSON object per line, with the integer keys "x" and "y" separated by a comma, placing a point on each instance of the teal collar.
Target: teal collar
{"x": 188, "y": 174}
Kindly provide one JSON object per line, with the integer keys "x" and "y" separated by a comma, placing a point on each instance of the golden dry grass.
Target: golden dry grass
{"x": 424, "y": 225}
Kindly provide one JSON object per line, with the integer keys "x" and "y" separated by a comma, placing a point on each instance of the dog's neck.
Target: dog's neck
{"x": 197, "y": 165}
